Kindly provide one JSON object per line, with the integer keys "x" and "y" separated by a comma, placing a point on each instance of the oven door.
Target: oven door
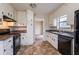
{"x": 16, "y": 44}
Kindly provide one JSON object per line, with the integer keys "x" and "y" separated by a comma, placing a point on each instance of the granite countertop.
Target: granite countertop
{"x": 63, "y": 33}
{"x": 19, "y": 31}
{"x": 4, "y": 37}
{"x": 15, "y": 32}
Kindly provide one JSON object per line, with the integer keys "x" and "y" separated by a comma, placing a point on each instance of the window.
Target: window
{"x": 63, "y": 22}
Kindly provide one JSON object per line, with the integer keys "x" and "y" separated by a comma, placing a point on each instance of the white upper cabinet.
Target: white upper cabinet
{"x": 6, "y": 9}
{"x": 10, "y": 12}
{"x": 21, "y": 18}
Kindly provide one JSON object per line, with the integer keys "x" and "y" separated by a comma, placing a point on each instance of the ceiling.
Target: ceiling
{"x": 41, "y": 9}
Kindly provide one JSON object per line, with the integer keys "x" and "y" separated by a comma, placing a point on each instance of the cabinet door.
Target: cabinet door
{"x": 51, "y": 39}
{"x": 54, "y": 40}
{"x": 48, "y": 37}
{"x": 8, "y": 46}
{"x": 5, "y": 11}
{"x": 23, "y": 38}
{"x": 1, "y": 48}
{"x": 55, "y": 37}
{"x": 8, "y": 50}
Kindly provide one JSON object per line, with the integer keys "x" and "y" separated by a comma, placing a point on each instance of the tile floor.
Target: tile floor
{"x": 38, "y": 48}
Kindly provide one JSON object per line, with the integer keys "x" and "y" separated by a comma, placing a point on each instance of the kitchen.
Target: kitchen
{"x": 17, "y": 27}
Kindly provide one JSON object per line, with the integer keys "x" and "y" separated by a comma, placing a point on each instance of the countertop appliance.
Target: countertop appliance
{"x": 76, "y": 37}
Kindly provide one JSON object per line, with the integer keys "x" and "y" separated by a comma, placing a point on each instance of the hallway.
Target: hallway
{"x": 38, "y": 48}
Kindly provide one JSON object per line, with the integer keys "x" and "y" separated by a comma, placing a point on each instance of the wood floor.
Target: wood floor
{"x": 38, "y": 48}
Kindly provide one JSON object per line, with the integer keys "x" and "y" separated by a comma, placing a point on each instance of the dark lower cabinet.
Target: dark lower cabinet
{"x": 76, "y": 45}
{"x": 64, "y": 45}
{"x": 76, "y": 49}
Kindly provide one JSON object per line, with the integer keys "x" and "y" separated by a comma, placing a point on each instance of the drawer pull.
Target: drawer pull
{"x": 11, "y": 46}
{"x": 22, "y": 37}
{"x": 9, "y": 41}
{"x": 4, "y": 50}
{"x": 2, "y": 12}
{"x": 53, "y": 39}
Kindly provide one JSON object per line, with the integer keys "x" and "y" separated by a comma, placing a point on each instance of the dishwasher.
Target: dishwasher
{"x": 64, "y": 45}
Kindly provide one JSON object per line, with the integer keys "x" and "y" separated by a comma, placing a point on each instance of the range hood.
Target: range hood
{"x": 5, "y": 18}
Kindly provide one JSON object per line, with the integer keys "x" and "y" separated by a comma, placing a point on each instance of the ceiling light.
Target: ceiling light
{"x": 33, "y": 5}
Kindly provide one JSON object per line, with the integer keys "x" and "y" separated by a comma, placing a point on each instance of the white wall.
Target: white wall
{"x": 66, "y": 9}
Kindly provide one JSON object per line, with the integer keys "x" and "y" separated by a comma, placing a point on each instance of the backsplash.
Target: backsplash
{"x": 5, "y": 25}
{"x": 70, "y": 29}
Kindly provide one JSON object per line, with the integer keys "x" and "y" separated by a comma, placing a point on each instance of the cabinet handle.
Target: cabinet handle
{"x": 8, "y": 14}
{"x": 54, "y": 40}
{"x": 2, "y": 12}
{"x": 4, "y": 50}
{"x": 11, "y": 15}
{"x": 31, "y": 19}
{"x": 9, "y": 41}
{"x": 23, "y": 38}
{"x": 31, "y": 24}
{"x": 11, "y": 46}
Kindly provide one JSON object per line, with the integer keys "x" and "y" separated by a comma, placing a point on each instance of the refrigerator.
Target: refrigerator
{"x": 76, "y": 32}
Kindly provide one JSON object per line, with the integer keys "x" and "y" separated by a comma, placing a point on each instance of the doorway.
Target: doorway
{"x": 38, "y": 31}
